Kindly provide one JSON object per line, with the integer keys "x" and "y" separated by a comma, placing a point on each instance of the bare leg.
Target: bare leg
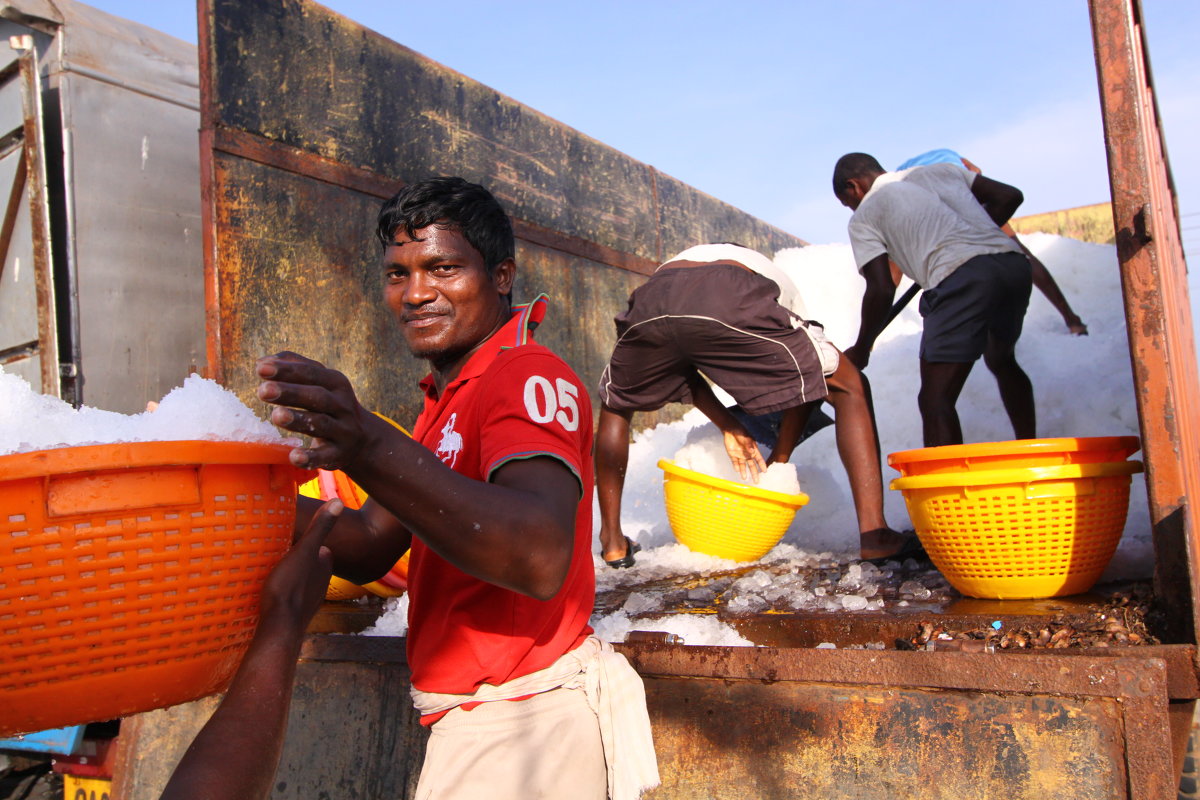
{"x": 1045, "y": 283}
{"x": 858, "y": 447}
{"x": 1016, "y": 390}
{"x": 941, "y": 384}
{"x": 612, "y": 457}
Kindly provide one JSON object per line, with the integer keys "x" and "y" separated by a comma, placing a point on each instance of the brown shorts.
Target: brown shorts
{"x": 720, "y": 320}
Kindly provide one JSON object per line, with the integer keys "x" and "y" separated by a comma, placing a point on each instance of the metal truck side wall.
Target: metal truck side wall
{"x": 1157, "y": 310}
{"x": 305, "y": 148}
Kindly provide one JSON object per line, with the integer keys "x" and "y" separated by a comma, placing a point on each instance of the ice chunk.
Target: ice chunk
{"x": 747, "y": 604}
{"x": 916, "y": 589}
{"x": 394, "y": 619}
{"x": 641, "y": 602}
{"x": 706, "y": 454}
{"x": 852, "y": 602}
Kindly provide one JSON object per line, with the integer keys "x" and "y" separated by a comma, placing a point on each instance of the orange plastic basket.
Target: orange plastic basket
{"x": 1021, "y": 533}
{"x": 1015, "y": 453}
{"x": 130, "y": 573}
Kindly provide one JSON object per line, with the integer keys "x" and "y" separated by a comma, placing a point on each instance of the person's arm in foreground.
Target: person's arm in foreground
{"x": 521, "y": 523}
{"x": 739, "y": 444}
{"x": 876, "y": 303}
{"x": 235, "y": 755}
{"x": 999, "y": 200}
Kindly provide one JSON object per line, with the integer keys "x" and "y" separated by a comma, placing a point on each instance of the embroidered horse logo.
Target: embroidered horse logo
{"x": 451, "y": 444}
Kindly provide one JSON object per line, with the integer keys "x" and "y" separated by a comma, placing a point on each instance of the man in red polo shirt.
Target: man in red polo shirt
{"x": 494, "y": 495}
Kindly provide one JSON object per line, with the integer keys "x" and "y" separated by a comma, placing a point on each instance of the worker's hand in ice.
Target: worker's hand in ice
{"x": 744, "y": 453}
{"x": 317, "y": 401}
{"x": 296, "y": 586}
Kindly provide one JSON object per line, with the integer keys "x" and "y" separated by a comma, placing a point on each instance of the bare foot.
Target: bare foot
{"x": 882, "y": 542}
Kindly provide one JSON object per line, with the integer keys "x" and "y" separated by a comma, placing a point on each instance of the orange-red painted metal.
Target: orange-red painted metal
{"x": 1157, "y": 310}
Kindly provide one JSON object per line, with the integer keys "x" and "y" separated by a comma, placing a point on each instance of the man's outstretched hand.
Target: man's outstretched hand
{"x": 317, "y": 401}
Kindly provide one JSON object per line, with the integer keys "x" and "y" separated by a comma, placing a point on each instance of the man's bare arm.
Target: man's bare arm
{"x": 519, "y": 527}
{"x": 235, "y": 755}
{"x": 876, "y": 303}
{"x": 999, "y": 200}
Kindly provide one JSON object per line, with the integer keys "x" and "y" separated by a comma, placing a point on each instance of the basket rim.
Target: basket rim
{"x": 124, "y": 455}
{"x": 1066, "y": 444}
{"x": 1017, "y": 475}
{"x": 669, "y": 467}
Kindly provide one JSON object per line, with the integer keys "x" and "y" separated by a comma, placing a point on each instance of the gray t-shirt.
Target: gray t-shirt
{"x": 927, "y": 221}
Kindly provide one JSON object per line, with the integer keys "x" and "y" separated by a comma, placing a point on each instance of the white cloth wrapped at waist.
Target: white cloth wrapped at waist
{"x": 614, "y": 692}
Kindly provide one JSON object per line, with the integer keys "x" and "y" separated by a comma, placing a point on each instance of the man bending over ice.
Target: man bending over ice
{"x": 728, "y": 312}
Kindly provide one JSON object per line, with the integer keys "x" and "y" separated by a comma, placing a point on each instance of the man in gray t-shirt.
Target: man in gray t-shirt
{"x": 941, "y": 226}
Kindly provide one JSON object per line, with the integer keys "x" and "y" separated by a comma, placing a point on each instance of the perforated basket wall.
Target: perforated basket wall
{"x": 130, "y": 574}
{"x": 723, "y": 518}
{"x": 1024, "y": 538}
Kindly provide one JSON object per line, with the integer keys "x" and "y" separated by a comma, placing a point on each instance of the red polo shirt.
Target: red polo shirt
{"x": 513, "y": 399}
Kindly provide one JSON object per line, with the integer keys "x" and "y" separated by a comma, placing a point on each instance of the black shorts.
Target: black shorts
{"x": 721, "y": 320}
{"x": 985, "y": 297}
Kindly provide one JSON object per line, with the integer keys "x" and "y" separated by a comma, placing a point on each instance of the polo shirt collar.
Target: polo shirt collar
{"x": 514, "y": 333}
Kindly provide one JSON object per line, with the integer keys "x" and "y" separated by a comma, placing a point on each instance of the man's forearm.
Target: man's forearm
{"x": 876, "y": 303}
{"x": 791, "y": 426}
{"x": 236, "y": 753}
{"x": 518, "y": 535}
{"x": 361, "y": 553}
{"x": 706, "y": 401}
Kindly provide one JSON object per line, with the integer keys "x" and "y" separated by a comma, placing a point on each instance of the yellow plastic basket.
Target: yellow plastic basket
{"x": 1021, "y": 533}
{"x": 725, "y": 518}
{"x": 1014, "y": 454}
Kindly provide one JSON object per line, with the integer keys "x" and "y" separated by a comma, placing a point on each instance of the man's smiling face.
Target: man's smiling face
{"x": 446, "y": 300}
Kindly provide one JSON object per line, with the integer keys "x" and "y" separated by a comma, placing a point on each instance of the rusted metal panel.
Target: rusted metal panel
{"x": 863, "y": 724}
{"x": 299, "y": 262}
{"x": 733, "y": 740}
{"x": 1157, "y": 309}
{"x": 34, "y": 146}
{"x": 371, "y": 103}
{"x": 580, "y": 208}
{"x": 758, "y": 722}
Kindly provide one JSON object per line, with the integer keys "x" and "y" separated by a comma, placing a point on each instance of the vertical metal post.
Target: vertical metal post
{"x": 39, "y": 219}
{"x": 1157, "y": 310}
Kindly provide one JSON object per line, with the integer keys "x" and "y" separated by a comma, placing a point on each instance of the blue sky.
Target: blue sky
{"x": 753, "y": 103}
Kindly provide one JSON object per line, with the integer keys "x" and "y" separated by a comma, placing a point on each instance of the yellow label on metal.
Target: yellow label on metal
{"x": 76, "y": 788}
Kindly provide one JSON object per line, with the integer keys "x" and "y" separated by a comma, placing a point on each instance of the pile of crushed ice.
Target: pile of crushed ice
{"x": 200, "y": 409}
